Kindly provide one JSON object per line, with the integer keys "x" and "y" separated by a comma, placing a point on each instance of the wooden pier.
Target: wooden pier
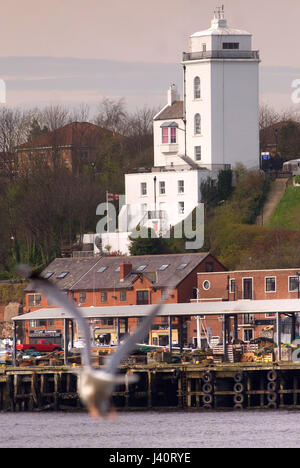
{"x": 239, "y": 386}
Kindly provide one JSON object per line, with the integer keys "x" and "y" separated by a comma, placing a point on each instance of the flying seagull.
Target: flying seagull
{"x": 95, "y": 386}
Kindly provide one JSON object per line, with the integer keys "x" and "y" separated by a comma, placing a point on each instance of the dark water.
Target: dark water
{"x": 270, "y": 429}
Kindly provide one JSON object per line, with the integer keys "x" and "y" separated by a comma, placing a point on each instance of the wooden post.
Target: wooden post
{"x": 149, "y": 389}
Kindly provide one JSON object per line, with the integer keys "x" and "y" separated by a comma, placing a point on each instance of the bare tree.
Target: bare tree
{"x": 112, "y": 115}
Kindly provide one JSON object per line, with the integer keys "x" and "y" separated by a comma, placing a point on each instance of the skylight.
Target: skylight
{"x": 163, "y": 267}
{"x": 63, "y": 274}
{"x": 48, "y": 274}
{"x": 182, "y": 266}
{"x": 102, "y": 269}
{"x": 141, "y": 268}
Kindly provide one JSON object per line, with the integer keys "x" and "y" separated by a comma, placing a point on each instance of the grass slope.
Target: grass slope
{"x": 287, "y": 212}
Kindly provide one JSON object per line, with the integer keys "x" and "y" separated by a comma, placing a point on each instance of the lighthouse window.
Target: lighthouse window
{"x": 231, "y": 45}
{"x": 197, "y": 124}
{"x": 198, "y": 153}
{"x": 197, "y": 89}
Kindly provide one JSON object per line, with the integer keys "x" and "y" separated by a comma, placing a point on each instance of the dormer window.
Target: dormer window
{"x": 169, "y": 133}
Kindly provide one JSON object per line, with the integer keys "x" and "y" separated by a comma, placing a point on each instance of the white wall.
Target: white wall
{"x": 191, "y": 196}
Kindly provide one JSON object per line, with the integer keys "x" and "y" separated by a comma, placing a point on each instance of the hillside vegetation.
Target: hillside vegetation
{"x": 287, "y": 212}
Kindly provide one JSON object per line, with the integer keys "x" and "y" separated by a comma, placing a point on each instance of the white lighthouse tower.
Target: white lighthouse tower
{"x": 214, "y": 127}
{"x": 222, "y": 96}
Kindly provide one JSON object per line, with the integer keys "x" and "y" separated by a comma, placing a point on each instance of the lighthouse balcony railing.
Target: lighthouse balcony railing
{"x": 221, "y": 54}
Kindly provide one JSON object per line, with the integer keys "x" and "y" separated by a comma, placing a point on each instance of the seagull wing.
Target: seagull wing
{"x": 130, "y": 341}
{"x": 58, "y": 298}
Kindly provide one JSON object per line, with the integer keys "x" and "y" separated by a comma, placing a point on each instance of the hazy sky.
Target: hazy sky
{"x": 132, "y": 48}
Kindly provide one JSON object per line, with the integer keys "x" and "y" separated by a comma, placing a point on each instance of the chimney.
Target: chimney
{"x": 172, "y": 95}
{"x": 125, "y": 270}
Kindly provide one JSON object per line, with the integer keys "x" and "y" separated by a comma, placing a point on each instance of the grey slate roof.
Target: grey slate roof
{"x": 175, "y": 111}
{"x": 76, "y": 267}
{"x": 110, "y": 278}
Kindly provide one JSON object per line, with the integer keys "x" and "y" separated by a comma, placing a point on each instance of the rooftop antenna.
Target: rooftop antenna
{"x": 219, "y": 12}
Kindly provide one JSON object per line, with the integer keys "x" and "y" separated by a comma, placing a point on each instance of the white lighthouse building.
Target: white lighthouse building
{"x": 213, "y": 127}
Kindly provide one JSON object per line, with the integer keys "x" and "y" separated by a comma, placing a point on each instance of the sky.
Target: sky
{"x": 80, "y": 51}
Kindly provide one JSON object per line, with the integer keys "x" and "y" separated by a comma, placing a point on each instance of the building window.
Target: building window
{"x": 231, "y": 45}
{"x": 293, "y": 283}
{"x": 123, "y": 296}
{"x": 181, "y": 208}
{"x": 142, "y": 297}
{"x": 41, "y": 323}
{"x": 82, "y": 297}
{"x": 103, "y": 296}
{"x": 197, "y": 88}
{"x": 203, "y": 47}
{"x": 209, "y": 266}
{"x": 31, "y": 323}
{"x": 271, "y": 284}
{"x": 206, "y": 285}
{"x": 143, "y": 188}
{"x": 232, "y": 286}
{"x": 248, "y": 334}
{"x": 164, "y": 294}
{"x": 162, "y": 187}
{"x": 247, "y": 288}
{"x": 165, "y": 135}
{"x": 248, "y": 319}
{"x": 197, "y": 121}
{"x": 34, "y": 300}
{"x": 168, "y": 135}
{"x": 198, "y": 153}
{"x": 181, "y": 186}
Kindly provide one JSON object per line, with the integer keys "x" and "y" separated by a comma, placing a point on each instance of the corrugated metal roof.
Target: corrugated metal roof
{"x": 186, "y": 309}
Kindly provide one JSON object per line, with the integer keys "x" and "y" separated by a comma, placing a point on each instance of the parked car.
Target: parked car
{"x": 39, "y": 345}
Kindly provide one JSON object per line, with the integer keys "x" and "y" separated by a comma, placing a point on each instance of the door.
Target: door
{"x": 247, "y": 288}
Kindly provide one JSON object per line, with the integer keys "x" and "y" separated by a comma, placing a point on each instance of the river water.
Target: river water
{"x": 269, "y": 429}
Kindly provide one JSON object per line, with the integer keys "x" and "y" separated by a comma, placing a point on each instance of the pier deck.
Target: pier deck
{"x": 162, "y": 386}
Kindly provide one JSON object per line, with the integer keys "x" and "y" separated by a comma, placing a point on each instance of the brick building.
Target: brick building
{"x": 115, "y": 281}
{"x": 72, "y": 145}
{"x": 247, "y": 285}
